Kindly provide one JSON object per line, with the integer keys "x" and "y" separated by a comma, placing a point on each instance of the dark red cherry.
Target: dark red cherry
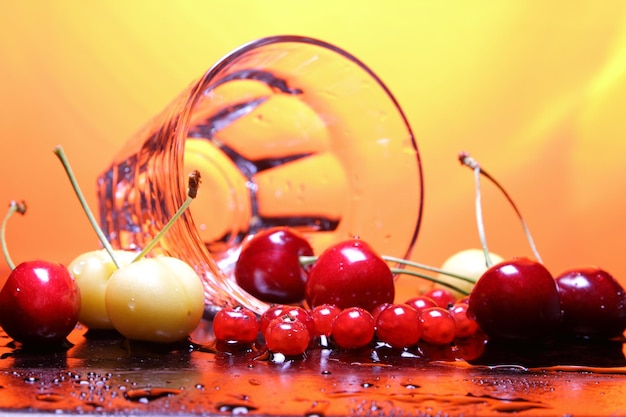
{"x": 350, "y": 274}
{"x": 516, "y": 300}
{"x": 39, "y": 304}
{"x": 269, "y": 266}
{"x": 593, "y": 303}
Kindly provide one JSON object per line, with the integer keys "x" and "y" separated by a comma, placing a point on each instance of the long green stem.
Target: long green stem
{"x": 479, "y": 218}
{"x": 467, "y": 160}
{"x": 58, "y": 151}
{"x": 308, "y": 260}
{"x": 192, "y": 192}
{"x": 406, "y": 262}
{"x": 15, "y": 206}
{"x": 429, "y": 278}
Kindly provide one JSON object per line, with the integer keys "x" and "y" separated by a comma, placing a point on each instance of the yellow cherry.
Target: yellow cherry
{"x": 469, "y": 263}
{"x": 157, "y": 299}
{"x": 91, "y": 271}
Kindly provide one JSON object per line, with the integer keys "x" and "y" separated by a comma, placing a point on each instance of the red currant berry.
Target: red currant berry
{"x": 438, "y": 326}
{"x": 442, "y": 297}
{"x": 287, "y": 335}
{"x": 280, "y": 310}
{"x": 421, "y": 302}
{"x": 323, "y": 317}
{"x": 353, "y": 328}
{"x": 235, "y": 325}
{"x": 465, "y": 326}
{"x": 379, "y": 308}
{"x": 399, "y": 326}
{"x": 269, "y": 315}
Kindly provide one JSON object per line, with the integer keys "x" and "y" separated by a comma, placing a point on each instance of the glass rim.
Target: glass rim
{"x": 211, "y": 74}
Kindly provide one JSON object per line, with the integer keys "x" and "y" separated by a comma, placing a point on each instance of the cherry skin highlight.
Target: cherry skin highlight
{"x": 39, "y": 303}
{"x": 269, "y": 266}
{"x": 516, "y": 300}
{"x": 350, "y": 274}
{"x": 593, "y": 303}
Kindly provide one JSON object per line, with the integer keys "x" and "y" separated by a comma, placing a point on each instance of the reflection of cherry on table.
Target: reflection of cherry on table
{"x": 105, "y": 374}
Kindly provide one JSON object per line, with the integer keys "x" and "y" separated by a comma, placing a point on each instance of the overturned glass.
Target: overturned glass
{"x": 286, "y": 131}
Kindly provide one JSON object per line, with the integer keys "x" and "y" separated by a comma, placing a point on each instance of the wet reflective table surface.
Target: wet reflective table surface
{"x": 104, "y": 374}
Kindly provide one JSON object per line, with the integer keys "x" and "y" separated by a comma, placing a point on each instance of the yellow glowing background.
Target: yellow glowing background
{"x": 536, "y": 91}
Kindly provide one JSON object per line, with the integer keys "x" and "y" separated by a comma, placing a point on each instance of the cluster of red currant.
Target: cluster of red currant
{"x": 349, "y": 293}
{"x": 435, "y": 318}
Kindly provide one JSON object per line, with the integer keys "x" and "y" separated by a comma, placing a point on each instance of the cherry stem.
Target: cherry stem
{"x": 470, "y": 162}
{"x": 308, "y": 260}
{"x": 406, "y": 262}
{"x": 431, "y": 279}
{"x": 192, "y": 192}
{"x": 58, "y": 151}
{"x": 480, "y": 223}
{"x": 14, "y": 206}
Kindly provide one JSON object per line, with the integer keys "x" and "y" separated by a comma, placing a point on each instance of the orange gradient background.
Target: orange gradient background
{"x": 536, "y": 91}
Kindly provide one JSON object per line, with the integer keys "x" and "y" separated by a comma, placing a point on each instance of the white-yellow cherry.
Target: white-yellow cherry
{"x": 158, "y": 299}
{"x": 91, "y": 271}
{"x": 469, "y": 263}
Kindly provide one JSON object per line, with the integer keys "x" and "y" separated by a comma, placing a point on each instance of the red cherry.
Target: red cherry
{"x": 516, "y": 300}
{"x": 39, "y": 303}
{"x": 350, "y": 274}
{"x": 235, "y": 325}
{"x": 399, "y": 326}
{"x": 353, "y": 328}
{"x": 269, "y": 266}
{"x": 593, "y": 303}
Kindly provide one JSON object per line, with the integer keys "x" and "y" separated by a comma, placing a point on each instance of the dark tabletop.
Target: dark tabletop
{"x": 105, "y": 374}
